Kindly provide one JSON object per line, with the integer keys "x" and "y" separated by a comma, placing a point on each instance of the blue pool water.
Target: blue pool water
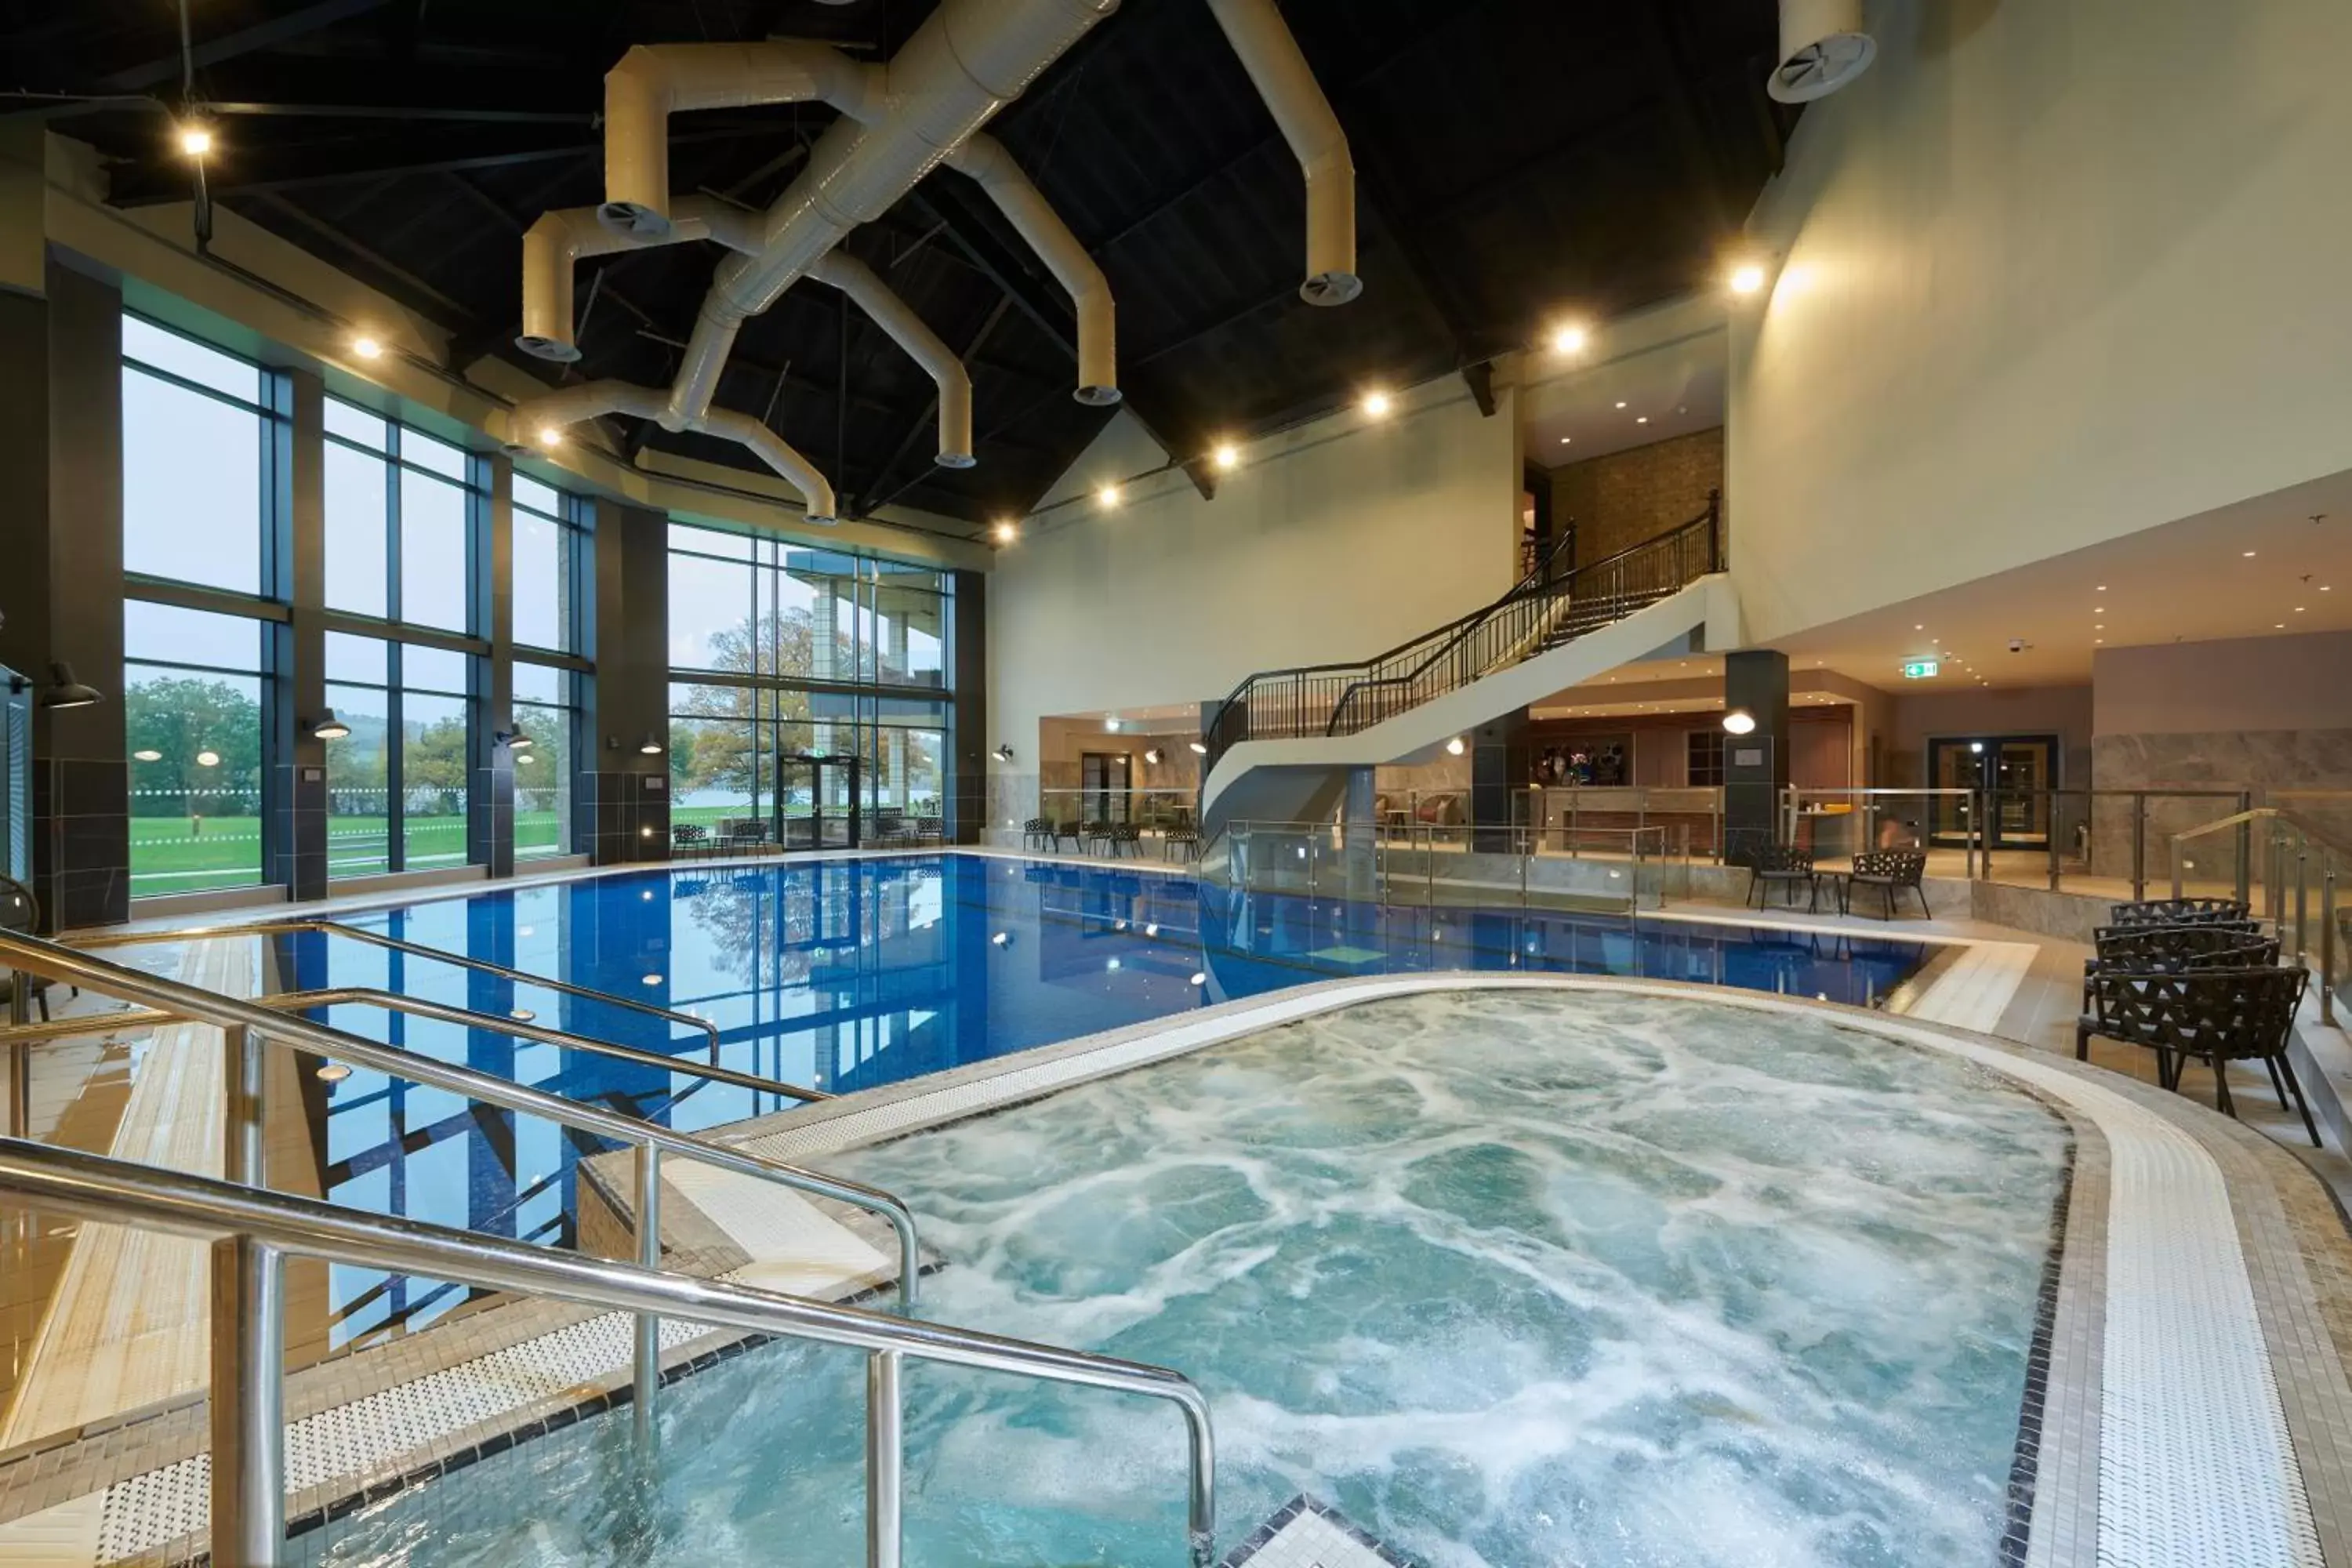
{"x": 1513, "y": 1279}
{"x": 847, "y": 974}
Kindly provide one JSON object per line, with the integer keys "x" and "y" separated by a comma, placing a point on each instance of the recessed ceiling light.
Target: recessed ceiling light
{"x": 2098, "y": 639}
{"x": 2250, "y": 555}
{"x": 1747, "y": 279}
{"x": 2298, "y": 609}
{"x": 1107, "y": 495}
{"x": 1641, "y": 419}
{"x": 1225, "y": 456}
{"x": 367, "y": 347}
{"x": 1568, "y": 341}
{"x": 1621, "y": 403}
{"x": 1376, "y": 403}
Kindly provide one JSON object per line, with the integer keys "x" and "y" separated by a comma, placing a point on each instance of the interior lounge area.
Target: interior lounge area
{"x": 1190, "y": 783}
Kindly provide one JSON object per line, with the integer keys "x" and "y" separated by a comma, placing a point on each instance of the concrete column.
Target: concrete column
{"x": 1359, "y": 827}
{"x": 1755, "y": 765}
{"x": 623, "y": 794}
{"x": 62, "y": 536}
{"x": 489, "y": 794}
{"x": 968, "y": 805}
{"x": 1498, "y": 765}
{"x": 294, "y": 840}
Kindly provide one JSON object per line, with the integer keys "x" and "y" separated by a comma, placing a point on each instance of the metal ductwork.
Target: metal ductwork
{"x": 654, "y": 81}
{"x": 894, "y": 316}
{"x": 540, "y": 422}
{"x": 984, "y": 159}
{"x": 553, "y": 246}
{"x": 1823, "y": 48}
{"x": 1280, "y": 72}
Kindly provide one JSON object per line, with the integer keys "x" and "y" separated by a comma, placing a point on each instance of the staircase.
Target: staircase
{"x": 1489, "y": 662}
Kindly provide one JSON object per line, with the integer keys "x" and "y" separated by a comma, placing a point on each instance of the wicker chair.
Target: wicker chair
{"x": 1890, "y": 871}
{"x": 1180, "y": 842}
{"x": 687, "y": 839}
{"x": 2167, "y": 950}
{"x": 931, "y": 830}
{"x": 1125, "y": 838}
{"x": 1779, "y": 864}
{"x": 2176, "y": 912}
{"x": 2214, "y": 1015}
{"x": 1039, "y": 833}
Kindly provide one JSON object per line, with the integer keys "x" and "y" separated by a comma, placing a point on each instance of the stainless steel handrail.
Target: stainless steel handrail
{"x": 2333, "y": 854}
{"x": 247, "y": 1020}
{"x": 248, "y": 1419}
{"x": 392, "y": 1002}
{"x": 99, "y": 941}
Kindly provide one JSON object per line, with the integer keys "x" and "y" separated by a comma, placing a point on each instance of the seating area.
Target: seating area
{"x": 2196, "y": 980}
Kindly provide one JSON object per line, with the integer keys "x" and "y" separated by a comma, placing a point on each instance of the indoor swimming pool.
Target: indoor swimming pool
{"x": 1510, "y": 1278}
{"x": 849, "y": 974}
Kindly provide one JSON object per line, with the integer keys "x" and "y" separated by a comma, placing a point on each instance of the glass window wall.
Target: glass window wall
{"x": 192, "y": 694}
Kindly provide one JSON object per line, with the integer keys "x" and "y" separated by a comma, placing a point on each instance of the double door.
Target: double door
{"x": 2010, "y": 775}
{"x": 817, "y": 802}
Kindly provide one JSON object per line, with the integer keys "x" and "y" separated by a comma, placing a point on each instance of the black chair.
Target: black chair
{"x": 688, "y": 838}
{"x": 2167, "y": 950}
{"x": 1089, "y": 834}
{"x": 2176, "y": 912}
{"x": 1180, "y": 842}
{"x": 931, "y": 830}
{"x": 2212, "y": 1016}
{"x": 20, "y": 912}
{"x": 1890, "y": 871}
{"x": 1781, "y": 865}
{"x": 1125, "y": 838}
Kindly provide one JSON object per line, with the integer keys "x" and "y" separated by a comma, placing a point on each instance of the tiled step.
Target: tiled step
{"x": 1306, "y": 1534}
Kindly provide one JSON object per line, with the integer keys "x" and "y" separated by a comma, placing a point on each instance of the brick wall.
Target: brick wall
{"x": 1621, "y": 499}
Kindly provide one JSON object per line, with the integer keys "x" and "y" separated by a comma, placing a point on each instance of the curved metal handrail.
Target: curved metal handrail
{"x": 36, "y": 955}
{"x": 102, "y": 940}
{"x": 56, "y": 1181}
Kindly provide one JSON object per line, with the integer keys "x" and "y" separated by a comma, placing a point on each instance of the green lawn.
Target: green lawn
{"x": 175, "y": 855}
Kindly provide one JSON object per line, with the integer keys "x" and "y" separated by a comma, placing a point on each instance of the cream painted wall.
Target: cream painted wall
{"x": 1333, "y": 541}
{"x": 2056, "y": 271}
{"x": 2234, "y": 684}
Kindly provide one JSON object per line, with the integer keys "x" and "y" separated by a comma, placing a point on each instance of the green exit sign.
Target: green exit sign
{"x": 1922, "y": 669}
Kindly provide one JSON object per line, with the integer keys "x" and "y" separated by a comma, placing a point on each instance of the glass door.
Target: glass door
{"x": 1105, "y": 777}
{"x": 2010, "y": 773}
{"x": 816, "y": 802}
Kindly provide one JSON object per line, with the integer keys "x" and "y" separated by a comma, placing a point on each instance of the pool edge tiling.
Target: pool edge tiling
{"x": 2196, "y": 1409}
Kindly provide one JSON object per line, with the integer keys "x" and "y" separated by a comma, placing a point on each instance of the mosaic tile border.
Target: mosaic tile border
{"x": 1303, "y": 1507}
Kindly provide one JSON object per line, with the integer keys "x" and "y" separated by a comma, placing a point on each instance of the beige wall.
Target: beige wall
{"x": 2235, "y": 684}
{"x": 2054, "y": 271}
{"x": 1333, "y": 540}
{"x": 1920, "y": 717}
{"x": 1616, "y": 501}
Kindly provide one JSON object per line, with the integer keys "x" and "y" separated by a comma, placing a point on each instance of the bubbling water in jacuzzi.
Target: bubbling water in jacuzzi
{"x": 1511, "y": 1278}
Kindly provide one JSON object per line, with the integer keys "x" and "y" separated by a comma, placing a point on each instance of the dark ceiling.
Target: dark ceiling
{"x": 1515, "y": 159}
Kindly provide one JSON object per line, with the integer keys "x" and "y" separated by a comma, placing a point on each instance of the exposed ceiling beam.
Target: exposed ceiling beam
{"x": 244, "y": 41}
{"x": 395, "y": 279}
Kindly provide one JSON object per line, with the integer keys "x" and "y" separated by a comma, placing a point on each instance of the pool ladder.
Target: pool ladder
{"x": 252, "y": 1230}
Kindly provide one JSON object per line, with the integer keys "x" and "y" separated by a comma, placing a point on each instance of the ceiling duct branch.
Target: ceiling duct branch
{"x": 985, "y": 160}
{"x": 1283, "y": 79}
{"x": 552, "y": 246}
{"x": 540, "y": 422}
{"x": 896, "y": 317}
{"x": 1823, "y": 48}
{"x": 654, "y": 81}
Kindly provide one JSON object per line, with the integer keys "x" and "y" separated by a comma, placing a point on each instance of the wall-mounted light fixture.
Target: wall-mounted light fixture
{"x": 1002, "y": 753}
{"x": 1151, "y": 755}
{"x": 62, "y": 691}
{"x": 651, "y": 746}
{"x": 1199, "y": 748}
{"x": 512, "y": 740}
{"x": 1739, "y": 722}
{"x": 1455, "y": 747}
{"x": 326, "y": 727}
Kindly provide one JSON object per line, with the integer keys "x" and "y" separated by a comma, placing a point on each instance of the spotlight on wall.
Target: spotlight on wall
{"x": 1109, "y": 495}
{"x": 650, "y": 746}
{"x": 1006, "y": 532}
{"x": 208, "y": 758}
{"x": 1745, "y": 278}
{"x": 1376, "y": 403}
{"x": 1739, "y": 722}
{"x": 1002, "y": 753}
{"x": 146, "y": 756}
{"x": 195, "y": 138}
{"x": 549, "y": 435}
{"x": 1112, "y": 725}
{"x": 512, "y": 740}
{"x": 62, "y": 691}
{"x": 1227, "y": 456}
{"x": 1151, "y": 755}
{"x": 367, "y": 347}
{"x": 1199, "y": 748}
{"x": 1569, "y": 339}
{"x": 326, "y": 727}
{"x": 1455, "y": 747}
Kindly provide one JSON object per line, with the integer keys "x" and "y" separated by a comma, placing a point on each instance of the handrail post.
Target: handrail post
{"x": 2049, "y": 828}
{"x": 644, "y": 1376}
{"x": 2139, "y": 848}
{"x": 2301, "y": 902}
{"x": 2245, "y": 850}
{"x": 2327, "y": 935}
{"x": 242, "y": 1160}
{"x": 248, "y": 1403}
{"x": 886, "y": 1458}
{"x": 20, "y": 1057}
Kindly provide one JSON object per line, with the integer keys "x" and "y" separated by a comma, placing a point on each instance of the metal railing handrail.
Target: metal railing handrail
{"x": 95, "y": 941}
{"x": 2334, "y": 852}
{"x": 448, "y": 1013}
{"x": 247, "y": 1421}
{"x": 2295, "y": 820}
{"x": 57, "y": 962}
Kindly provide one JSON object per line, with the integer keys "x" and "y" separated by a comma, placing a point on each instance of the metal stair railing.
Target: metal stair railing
{"x": 252, "y": 1233}
{"x": 247, "y": 1023}
{"x": 99, "y": 940}
{"x": 1542, "y": 611}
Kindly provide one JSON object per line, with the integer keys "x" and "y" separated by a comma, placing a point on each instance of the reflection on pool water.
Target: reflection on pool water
{"x": 847, "y": 974}
{"x": 1511, "y": 1278}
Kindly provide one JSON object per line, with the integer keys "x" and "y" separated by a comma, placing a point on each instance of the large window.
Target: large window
{"x": 546, "y": 706}
{"x": 396, "y": 786}
{"x": 197, "y": 433}
{"x": 359, "y": 766}
{"x": 435, "y": 731}
{"x": 547, "y": 567}
{"x": 779, "y": 650}
{"x": 403, "y": 508}
{"x": 193, "y": 690}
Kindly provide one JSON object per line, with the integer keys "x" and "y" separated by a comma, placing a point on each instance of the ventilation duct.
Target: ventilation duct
{"x": 894, "y": 316}
{"x": 1280, "y": 73}
{"x": 898, "y": 124}
{"x": 1823, "y": 48}
{"x": 553, "y": 246}
{"x": 984, "y": 159}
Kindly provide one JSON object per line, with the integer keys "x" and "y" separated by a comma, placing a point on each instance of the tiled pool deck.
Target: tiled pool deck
{"x": 2196, "y": 1408}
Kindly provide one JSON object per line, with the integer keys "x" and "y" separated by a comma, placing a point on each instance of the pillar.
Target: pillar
{"x": 1498, "y": 766}
{"x": 1755, "y": 765}
{"x": 489, "y": 794}
{"x": 623, "y": 794}
{"x": 967, "y": 758}
{"x": 61, "y": 596}
{"x": 294, "y": 835}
